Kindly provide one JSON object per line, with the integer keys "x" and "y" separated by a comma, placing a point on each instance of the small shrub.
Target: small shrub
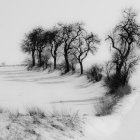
{"x": 105, "y": 105}
{"x": 68, "y": 119}
{"x": 36, "y": 112}
{"x": 114, "y": 82}
{"x": 111, "y": 83}
{"x": 123, "y": 90}
{"x": 94, "y": 73}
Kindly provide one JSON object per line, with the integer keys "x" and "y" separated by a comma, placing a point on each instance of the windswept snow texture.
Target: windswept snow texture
{"x": 20, "y": 89}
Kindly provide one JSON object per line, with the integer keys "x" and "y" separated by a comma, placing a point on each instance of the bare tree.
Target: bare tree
{"x": 29, "y": 44}
{"x": 85, "y": 43}
{"x": 55, "y": 42}
{"x": 69, "y": 33}
{"x": 40, "y": 44}
{"x": 124, "y": 40}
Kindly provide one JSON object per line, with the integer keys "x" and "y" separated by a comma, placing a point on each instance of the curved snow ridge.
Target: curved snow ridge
{"x": 104, "y": 128}
{"x": 127, "y": 103}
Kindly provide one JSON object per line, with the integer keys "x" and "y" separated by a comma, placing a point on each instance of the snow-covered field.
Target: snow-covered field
{"x": 21, "y": 89}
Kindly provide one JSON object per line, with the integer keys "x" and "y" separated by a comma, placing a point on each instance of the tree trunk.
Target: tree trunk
{"x": 81, "y": 67}
{"x": 119, "y": 68}
{"x": 54, "y": 62}
{"x": 33, "y": 58}
{"x": 67, "y": 69}
{"x": 39, "y": 59}
{"x": 55, "y": 56}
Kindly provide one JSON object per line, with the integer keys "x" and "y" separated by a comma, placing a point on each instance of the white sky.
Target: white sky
{"x": 19, "y": 16}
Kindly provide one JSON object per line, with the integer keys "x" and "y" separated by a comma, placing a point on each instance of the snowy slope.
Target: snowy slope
{"x": 21, "y": 89}
{"x": 125, "y": 123}
{"x": 130, "y": 121}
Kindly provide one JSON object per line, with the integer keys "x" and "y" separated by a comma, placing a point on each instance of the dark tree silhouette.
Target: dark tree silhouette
{"x": 85, "y": 43}
{"x": 40, "y": 43}
{"x": 69, "y": 33}
{"x": 55, "y": 42}
{"x": 29, "y": 44}
{"x": 124, "y": 40}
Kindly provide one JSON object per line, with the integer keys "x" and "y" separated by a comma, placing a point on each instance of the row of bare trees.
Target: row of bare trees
{"x": 70, "y": 41}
